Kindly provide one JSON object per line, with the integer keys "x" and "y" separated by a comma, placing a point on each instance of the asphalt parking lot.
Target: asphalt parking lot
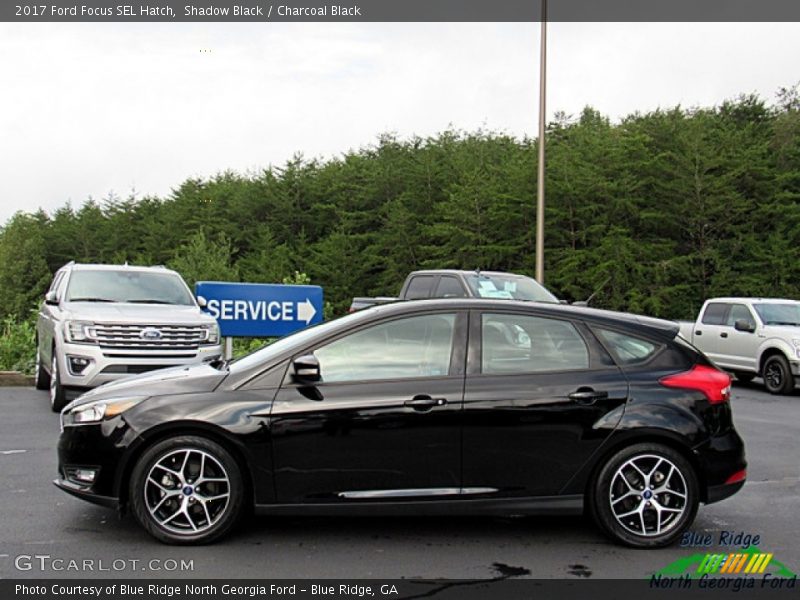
{"x": 40, "y": 521}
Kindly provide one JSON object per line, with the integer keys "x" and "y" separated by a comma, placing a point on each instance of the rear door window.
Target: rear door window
{"x": 419, "y": 287}
{"x": 526, "y": 344}
{"x": 715, "y": 313}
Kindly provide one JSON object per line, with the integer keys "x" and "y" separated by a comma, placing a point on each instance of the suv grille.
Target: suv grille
{"x": 149, "y": 337}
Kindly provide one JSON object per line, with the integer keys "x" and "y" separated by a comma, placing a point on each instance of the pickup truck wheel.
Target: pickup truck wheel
{"x": 58, "y": 395}
{"x": 778, "y": 376}
{"x": 41, "y": 376}
{"x": 744, "y": 376}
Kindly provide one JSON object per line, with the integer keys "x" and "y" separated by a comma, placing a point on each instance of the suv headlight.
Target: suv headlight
{"x": 99, "y": 410}
{"x": 78, "y": 332}
{"x": 212, "y": 337}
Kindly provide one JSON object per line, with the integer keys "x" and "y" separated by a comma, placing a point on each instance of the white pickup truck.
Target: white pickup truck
{"x": 751, "y": 337}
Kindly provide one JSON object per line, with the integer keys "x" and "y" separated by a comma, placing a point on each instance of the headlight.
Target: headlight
{"x": 212, "y": 337}
{"x": 97, "y": 411}
{"x": 78, "y": 332}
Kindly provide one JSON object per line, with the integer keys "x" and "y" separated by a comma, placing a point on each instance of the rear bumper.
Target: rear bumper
{"x": 715, "y": 493}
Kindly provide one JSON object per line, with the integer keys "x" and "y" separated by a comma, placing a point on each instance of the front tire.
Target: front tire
{"x": 645, "y": 496}
{"x": 41, "y": 376}
{"x": 58, "y": 395}
{"x": 778, "y": 377}
{"x": 187, "y": 490}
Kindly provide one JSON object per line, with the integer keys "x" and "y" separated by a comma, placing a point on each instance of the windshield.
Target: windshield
{"x": 143, "y": 287}
{"x": 511, "y": 287}
{"x": 783, "y": 313}
{"x": 298, "y": 338}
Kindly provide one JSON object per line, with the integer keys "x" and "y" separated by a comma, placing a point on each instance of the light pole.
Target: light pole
{"x": 540, "y": 181}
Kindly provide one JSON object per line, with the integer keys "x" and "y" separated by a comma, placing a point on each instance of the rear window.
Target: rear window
{"x": 627, "y": 349}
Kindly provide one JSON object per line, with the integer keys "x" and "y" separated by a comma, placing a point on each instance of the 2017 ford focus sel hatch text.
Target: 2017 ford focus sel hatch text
{"x": 463, "y": 406}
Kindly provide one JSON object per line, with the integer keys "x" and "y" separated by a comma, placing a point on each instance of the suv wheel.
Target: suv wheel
{"x": 58, "y": 395}
{"x": 187, "y": 490}
{"x": 778, "y": 376}
{"x": 41, "y": 376}
{"x": 645, "y": 496}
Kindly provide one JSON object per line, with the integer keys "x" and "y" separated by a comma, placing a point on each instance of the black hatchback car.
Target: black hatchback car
{"x": 426, "y": 407}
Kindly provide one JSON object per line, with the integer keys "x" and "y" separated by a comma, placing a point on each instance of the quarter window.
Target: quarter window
{"x": 628, "y": 350}
{"x": 526, "y": 344}
{"x": 400, "y": 349}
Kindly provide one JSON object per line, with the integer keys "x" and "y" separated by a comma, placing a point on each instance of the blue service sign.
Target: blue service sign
{"x": 261, "y": 309}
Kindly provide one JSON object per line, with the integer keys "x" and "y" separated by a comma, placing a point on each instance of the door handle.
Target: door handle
{"x": 424, "y": 402}
{"x": 587, "y": 396}
{"x": 698, "y": 332}
{"x": 723, "y": 334}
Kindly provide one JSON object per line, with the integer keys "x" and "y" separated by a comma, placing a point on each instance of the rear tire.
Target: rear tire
{"x": 777, "y": 374}
{"x": 58, "y": 395}
{"x": 41, "y": 376}
{"x": 645, "y": 496}
{"x": 187, "y": 490}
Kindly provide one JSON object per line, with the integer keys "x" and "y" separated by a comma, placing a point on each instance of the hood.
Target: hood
{"x": 137, "y": 314}
{"x": 171, "y": 381}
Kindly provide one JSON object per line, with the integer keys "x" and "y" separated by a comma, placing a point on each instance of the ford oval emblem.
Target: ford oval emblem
{"x": 150, "y": 334}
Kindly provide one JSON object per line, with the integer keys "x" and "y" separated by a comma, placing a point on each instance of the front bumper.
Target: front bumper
{"x": 85, "y": 493}
{"x": 101, "y": 448}
{"x": 111, "y": 364}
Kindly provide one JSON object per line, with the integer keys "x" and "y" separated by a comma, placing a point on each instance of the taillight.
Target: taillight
{"x": 715, "y": 384}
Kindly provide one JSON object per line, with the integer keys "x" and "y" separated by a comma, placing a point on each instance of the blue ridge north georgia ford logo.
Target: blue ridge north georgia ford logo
{"x": 150, "y": 333}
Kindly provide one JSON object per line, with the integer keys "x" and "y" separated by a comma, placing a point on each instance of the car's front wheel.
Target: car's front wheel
{"x": 645, "y": 496}
{"x": 41, "y": 376}
{"x": 777, "y": 375}
{"x": 58, "y": 395}
{"x": 187, "y": 490}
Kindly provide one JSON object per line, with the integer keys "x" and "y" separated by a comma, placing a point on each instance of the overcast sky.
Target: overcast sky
{"x": 89, "y": 109}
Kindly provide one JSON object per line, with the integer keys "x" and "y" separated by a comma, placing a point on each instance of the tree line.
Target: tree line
{"x": 651, "y": 214}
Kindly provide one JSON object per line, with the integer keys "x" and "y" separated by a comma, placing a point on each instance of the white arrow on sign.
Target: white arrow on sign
{"x": 305, "y": 311}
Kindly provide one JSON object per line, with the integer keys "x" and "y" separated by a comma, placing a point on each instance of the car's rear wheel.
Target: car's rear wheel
{"x": 187, "y": 490}
{"x": 778, "y": 377}
{"x": 645, "y": 496}
{"x": 58, "y": 395}
{"x": 41, "y": 376}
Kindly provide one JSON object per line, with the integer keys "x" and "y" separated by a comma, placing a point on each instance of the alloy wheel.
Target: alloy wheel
{"x": 187, "y": 491}
{"x": 648, "y": 495}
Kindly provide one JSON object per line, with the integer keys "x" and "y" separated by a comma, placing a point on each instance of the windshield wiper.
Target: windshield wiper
{"x": 149, "y": 301}
{"x": 89, "y": 299}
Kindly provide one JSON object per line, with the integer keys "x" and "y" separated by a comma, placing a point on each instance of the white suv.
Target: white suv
{"x": 102, "y": 322}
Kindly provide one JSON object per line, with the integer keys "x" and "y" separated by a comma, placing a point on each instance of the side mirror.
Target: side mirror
{"x": 744, "y": 325}
{"x": 201, "y": 302}
{"x": 306, "y": 369}
{"x": 51, "y": 298}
